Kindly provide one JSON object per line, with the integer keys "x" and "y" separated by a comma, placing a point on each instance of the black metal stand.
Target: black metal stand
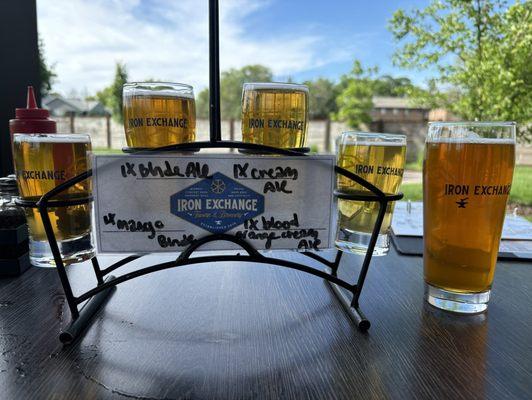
{"x": 95, "y": 297}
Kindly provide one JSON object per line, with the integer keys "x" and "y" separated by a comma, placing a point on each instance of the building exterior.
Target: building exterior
{"x": 60, "y": 106}
{"x": 399, "y": 115}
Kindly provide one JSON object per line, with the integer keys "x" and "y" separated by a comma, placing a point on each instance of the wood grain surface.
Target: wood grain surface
{"x": 246, "y": 331}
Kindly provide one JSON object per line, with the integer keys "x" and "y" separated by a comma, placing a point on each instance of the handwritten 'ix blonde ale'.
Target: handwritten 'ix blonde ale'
{"x": 379, "y": 159}
{"x": 158, "y": 114}
{"x": 466, "y": 182}
{"x": 275, "y": 114}
{"x": 43, "y": 162}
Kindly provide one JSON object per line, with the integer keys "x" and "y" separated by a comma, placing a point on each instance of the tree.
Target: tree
{"x": 480, "y": 51}
{"x": 231, "y": 83}
{"x": 387, "y": 85}
{"x": 46, "y": 73}
{"x": 322, "y": 98}
{"x": 355, "y": 99}
{"x": 111, "y": 96}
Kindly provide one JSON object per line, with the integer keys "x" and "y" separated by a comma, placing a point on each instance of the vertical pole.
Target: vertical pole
{"x": 214, "y": 72}
{"x": 232, "y": 132}
{"x": 328, "y": 135}
{"x": 108, "y": 127}
{"x": 72, "y": 127}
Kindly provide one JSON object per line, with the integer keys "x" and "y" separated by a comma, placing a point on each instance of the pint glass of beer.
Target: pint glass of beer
{"x": 378, "y": 158}
{"x": 467, "y": 176}
{"x": 42, "y": 162}
{"x": 275, "y": 114}
{"x": 158, "y": 114}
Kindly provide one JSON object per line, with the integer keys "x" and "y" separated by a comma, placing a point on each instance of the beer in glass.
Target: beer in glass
{"x": 467, "y": 176}
{"x": 42, "y": 162}
{"x": 378, "y": 158}
{"x": 158, "y": 114}
{"x": 275, "y": 114}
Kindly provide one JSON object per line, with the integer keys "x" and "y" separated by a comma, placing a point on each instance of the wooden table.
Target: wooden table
{"x": 247, "y": 331}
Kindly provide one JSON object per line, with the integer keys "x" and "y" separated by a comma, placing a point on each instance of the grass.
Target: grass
{"x": 522, "y": 186}
{"x": 412, "y": 191}
{"x": 105, "y": 150}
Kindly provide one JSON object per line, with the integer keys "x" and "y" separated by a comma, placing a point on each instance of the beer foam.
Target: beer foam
{"x": 158, "y": 89}
{"x": 136, "y": 92}
{"x": 52, "y": 138}
{"x": 471, "y": 140}
{"x": 275, "y": 86}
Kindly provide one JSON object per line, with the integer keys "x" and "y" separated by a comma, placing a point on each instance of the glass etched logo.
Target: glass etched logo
{"x": 217, "y": 204}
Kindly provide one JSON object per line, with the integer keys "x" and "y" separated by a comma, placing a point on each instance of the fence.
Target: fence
{"x": 105, "y": 132}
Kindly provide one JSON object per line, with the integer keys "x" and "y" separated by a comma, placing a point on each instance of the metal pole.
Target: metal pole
{"x": 214, "y": 73}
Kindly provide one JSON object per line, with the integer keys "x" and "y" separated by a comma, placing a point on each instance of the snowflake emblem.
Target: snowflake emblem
{"x": 218, "y": 186}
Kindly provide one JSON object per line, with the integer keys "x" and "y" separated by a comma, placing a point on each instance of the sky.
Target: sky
{"x": 168, "y": 40}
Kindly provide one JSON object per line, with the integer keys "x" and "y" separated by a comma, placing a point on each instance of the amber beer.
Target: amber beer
{"x": 275, "y": 114}
{"x": 158, "y": 114}
{"x": 42, "y": 162}
{"x": 379, "y": 159}
{"x": 467, "y": 177}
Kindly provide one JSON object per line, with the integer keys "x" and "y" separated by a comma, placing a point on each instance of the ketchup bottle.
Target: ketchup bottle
{"x": 31, "y": 119}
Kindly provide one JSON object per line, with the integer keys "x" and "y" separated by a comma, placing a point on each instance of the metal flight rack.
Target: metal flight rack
{"x": 84, "y": 306}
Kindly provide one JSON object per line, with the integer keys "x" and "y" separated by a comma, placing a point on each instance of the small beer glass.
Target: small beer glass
{"x": 275, "y": 114}
{"x": 42, "y": 162}
{"x": 158, "y": 114}
{"x": 379, "y": 158}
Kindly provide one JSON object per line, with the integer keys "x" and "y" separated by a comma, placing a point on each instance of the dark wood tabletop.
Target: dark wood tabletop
{"x": 245, "y": 331}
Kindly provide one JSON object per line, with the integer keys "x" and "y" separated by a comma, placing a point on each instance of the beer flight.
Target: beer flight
{"x": 467, "y": 173}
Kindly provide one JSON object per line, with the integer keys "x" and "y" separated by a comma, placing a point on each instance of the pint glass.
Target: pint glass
{"x": 42, "y": 162}
{"x": 467, "y": 176}
{"x": 275, "y": 114}
{"x": 378, "y": 158}
{"x": 158, "y": 114}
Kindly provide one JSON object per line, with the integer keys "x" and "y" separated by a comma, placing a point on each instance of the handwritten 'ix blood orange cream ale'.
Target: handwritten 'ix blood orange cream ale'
{"x": 467, "y": 177}
{"x": 158, "y": 114}
{"x": 42, "y": 162}
{"x": 378, "y": 158}
{"x": 275, "y": 114}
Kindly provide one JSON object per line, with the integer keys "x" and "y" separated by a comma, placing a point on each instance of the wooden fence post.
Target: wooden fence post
{"x": 328, "y": 135}
{"x": 72, "y": 127}
{"x": 232, "y": 131}
{"x": 108, "y": 127}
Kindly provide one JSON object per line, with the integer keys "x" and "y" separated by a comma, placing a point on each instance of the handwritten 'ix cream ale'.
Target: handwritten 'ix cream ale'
{"x": 275, "y": 114}
{"x": 158, "y": 114}
{"x": 467, "y": 176}
{"x": 42, "y": 162}
{"x": 379, "y": 159}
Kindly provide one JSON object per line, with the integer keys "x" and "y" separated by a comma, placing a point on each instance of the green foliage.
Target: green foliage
{"x": 322, "y": 98}
{"x": 231, "y": 83}
{"x": 387, "y": 85}
{"x": 480, "y": 51}
{"x": 416, "y": 165}
{"x": 355, "y": 99}
{"x": 202, "y": 104}
{"x": 111, "y": 96}
{"x": 47, "y": 73}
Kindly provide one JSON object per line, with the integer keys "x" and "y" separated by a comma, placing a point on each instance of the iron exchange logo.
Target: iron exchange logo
{"x": 217, "y": 204}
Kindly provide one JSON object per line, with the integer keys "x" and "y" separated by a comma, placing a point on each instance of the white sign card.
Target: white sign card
{"x": 163, "y": 202}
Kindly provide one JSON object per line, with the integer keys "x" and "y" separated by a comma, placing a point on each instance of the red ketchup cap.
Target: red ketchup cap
{"x": 31, "y": 110}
